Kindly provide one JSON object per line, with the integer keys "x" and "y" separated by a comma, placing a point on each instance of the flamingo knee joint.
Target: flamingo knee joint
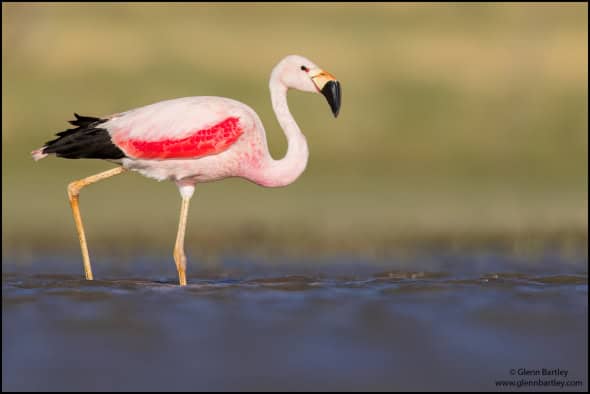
{"x": 73, "y": 190}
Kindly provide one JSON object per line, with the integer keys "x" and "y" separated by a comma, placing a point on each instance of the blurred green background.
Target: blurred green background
{"x": 460, "y": 124}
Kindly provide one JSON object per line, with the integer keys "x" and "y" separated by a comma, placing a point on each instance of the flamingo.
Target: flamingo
{"x": 194, "y": 140}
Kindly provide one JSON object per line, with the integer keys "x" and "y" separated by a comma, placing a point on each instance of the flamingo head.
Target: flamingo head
{"x": 299, "y": 73}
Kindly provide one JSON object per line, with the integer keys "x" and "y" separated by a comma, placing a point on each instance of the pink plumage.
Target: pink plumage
{"x": 198, "y": 143}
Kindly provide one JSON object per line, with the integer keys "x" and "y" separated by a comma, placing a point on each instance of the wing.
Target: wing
{"x": 183, "y": 128}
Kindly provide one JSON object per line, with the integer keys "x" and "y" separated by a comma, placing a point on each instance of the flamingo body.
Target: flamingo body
{"x": 193, "y": 139}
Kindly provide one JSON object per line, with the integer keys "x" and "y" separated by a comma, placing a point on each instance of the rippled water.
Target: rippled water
{"x": 432, "y": 322}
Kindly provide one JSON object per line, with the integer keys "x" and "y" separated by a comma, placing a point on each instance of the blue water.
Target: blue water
{"x": 438, "y": 321}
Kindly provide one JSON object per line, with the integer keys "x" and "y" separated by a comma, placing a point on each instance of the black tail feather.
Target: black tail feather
{"x": 86, "y": 141}
{"x": 84, "y": 121}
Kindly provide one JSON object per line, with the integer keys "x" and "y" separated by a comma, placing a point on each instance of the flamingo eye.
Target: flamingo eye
{"x": 304, "y": 68}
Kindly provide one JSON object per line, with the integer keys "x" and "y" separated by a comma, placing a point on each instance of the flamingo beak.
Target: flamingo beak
{"x": 327, "y": 85}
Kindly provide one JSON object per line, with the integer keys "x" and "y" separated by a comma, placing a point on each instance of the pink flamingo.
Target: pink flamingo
{"x": 192, "y": 140}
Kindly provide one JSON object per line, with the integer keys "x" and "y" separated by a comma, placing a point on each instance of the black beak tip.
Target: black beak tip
{"x": 335, "y": 112}
{"x": 333, "y": 94}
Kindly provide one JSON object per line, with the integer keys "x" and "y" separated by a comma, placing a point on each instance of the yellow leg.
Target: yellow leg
{"x": 179, "y": 256}
{"x": 74, "y": 189}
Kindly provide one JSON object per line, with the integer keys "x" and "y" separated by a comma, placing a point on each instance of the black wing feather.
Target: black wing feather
{"x": 86, "y": 141}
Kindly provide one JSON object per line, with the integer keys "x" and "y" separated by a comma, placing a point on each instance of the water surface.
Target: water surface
{"x": 437, "y": 321}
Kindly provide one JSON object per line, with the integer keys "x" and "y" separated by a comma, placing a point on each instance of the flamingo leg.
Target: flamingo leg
{"x": 74, "y": 189}
{"x": 179, "y": 256}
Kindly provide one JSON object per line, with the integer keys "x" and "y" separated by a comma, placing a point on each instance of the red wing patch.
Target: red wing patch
{"x": 213, "y": 140}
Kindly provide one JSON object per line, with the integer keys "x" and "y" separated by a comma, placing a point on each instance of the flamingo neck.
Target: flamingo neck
{"x": 277, "y": 173}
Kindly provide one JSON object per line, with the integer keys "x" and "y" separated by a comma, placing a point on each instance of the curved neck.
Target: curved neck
{"x": 285, "y": 171}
